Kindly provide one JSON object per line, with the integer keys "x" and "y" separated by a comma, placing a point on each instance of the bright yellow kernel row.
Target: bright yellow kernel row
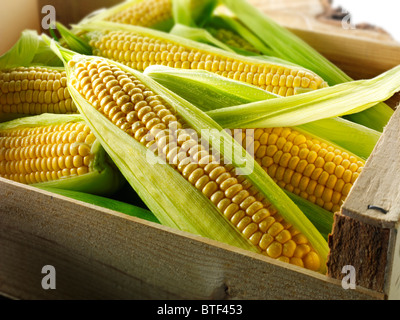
{"x": 45, "y": 153}
{"x": 321, "y": 173}
{"x": 139, "y": 52}
{"x": 35, "y": 90}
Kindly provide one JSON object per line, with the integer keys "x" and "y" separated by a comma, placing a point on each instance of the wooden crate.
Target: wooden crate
{"x": 101, "y": 254}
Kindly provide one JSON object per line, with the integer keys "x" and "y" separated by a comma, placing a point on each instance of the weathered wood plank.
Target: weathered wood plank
{"x": 378, "y": 185}
{"x": 363, "y": 247}
{"x": 366, "y": 234}
{"x": 100, "y": 254}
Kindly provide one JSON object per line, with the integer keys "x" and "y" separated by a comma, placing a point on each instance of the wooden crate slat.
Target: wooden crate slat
{"x": 367, "y": 237}
{"x": 378, "y": 184}
{"x": 100, "y": 254}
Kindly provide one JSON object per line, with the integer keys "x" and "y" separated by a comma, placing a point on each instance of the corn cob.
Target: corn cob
{"x": 318, "y": 172}
{"x": 275, "y": 79}
{"x": 55, "y": 151}
{"x": 34, "y": 90}
{"x": 139, "y": 48}
{"x": 149, "y": 119}
{"x": 145, "y": 13}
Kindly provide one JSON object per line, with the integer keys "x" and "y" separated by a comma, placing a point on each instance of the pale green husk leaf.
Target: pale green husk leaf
{"x": 288, "y": 46}
{"x": 202, "y": 90}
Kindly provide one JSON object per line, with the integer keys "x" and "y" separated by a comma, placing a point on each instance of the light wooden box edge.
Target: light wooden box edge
{"x": 213, "y": 279}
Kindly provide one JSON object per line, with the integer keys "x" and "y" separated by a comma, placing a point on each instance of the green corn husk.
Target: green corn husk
{"x": 169, "y": 201}
{"x": 73, "y": 41}
{"x": 222, "y": 21}
{"x": 191, "y": 25}
{"x": 199, "y": 35}
{"x": 107, "y": 203}
{"x": 204, "y": 36}
{"x": 103, "y": 177}
{"x": 289, "y": 47}
{"x": 30, "y": 50}
{"x": 219, "y": 92}
{"x": 200, "y": 28}
{"x": 193, "y": 13}
{"x": 320, "y": 218}
{"x": 223, "y": 99}
{"x": 349, "y": 98}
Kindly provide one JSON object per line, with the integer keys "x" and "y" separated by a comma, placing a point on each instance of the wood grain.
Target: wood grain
{"x": 362, "y": 246}
{"x": 100, "y": 254}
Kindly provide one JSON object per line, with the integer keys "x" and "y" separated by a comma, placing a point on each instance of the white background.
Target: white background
{"x": 381, "y": 13}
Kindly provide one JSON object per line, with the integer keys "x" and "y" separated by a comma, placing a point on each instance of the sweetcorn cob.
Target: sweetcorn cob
{"x": 55, "y": 151}
{"x": 149, "y": 119}
{"x": 144, "y": 51}
{"x": 34, "y": 90}
{"x": 304, "y": 165}
{"x": 139, "y": 48}
{"x": 145, "y": 13}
